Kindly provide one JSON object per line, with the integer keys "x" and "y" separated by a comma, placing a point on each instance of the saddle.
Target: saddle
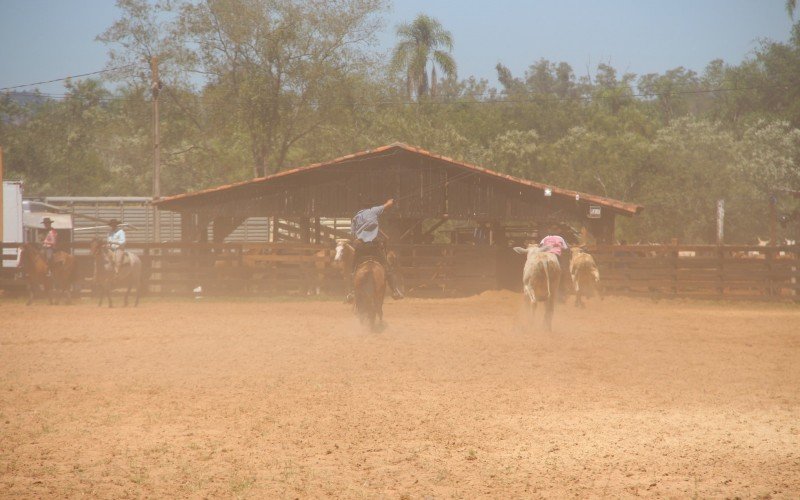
{"x": 126, "y": 258}
{"x": 368, "y": 252}
{"x": 59, "y": 257}
{"x": 369, "y": 258}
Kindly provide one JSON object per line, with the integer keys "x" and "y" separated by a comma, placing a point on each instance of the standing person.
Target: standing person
{"x": 480, "y": 236}
{"x": 368, "y": 241}
{"x": 50, "y": 240}
{"x": 116, "y": 242}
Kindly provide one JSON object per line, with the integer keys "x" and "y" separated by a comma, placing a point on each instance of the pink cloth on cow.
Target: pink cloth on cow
{"x": 556, "y": 244}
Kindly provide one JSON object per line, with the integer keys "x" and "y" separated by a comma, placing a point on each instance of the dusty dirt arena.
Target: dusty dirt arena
{"x": 291, "y": 399}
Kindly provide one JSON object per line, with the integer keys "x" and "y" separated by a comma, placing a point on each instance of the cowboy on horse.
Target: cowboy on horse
{"x": 370, "y": 243}
{"x": 50, "y": 241}
{"x": 116, "y": 242}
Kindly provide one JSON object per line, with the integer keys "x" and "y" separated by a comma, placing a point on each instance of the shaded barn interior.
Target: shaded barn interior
{"x": 439, "y": 204}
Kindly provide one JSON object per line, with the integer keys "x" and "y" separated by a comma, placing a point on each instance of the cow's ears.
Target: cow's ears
{"x": 521, "y": 250}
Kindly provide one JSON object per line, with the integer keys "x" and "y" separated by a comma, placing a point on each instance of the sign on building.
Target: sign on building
{"x": 594, "y": 211}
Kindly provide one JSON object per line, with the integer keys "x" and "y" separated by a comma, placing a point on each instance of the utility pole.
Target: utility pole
{"x": 773, "y": 219}
{"x": 155, "y": 87}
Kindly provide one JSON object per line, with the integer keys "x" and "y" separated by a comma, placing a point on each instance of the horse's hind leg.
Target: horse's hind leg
{"x": 138, "y": 291}
{"x": 127, "y": 292}
{"x": 30, "y": 295}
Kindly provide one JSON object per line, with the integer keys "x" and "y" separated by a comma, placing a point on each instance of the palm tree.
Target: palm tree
{"x": 423, "y": 41}
{"x": 791, "y": 5}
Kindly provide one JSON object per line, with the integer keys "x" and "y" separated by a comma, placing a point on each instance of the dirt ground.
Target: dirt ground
{"x": 454, "y": 399}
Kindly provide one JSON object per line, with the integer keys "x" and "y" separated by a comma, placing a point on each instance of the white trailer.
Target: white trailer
{"x": 13, "y": 230}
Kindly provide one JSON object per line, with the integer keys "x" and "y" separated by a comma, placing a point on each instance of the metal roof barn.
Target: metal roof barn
{"x": 425, "y": 186}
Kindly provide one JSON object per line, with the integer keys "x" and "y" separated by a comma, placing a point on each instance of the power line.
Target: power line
{"x": 487, "y": 97}
{"x": 67, "y": 77}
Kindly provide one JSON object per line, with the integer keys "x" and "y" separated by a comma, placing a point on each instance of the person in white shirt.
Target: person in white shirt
{"x": 116, "y": 242}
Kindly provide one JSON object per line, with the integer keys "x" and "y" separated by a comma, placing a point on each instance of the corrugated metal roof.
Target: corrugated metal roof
{"x": 172, "y": 202}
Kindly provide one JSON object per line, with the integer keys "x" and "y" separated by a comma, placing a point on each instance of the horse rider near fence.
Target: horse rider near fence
{"x": 369, "y": 242}
{"x": 116, "y": 242}
{"x": 50, "y": 241}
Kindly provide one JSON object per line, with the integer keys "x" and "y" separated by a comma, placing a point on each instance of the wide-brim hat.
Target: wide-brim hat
{"x": 113, "y": 222}
{"x": 47, "y": 220}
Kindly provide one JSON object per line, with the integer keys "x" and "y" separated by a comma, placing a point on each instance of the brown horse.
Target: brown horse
{"x": 106, "y": 279}
{"x": 35, "y": 270}
{"x": 60, "y": 275}
{"x": 370, "y": 287}
{"x": 344, "y": 255}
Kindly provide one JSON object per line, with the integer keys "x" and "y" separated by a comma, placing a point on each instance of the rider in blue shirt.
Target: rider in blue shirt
{"x": 366, "y": 230}
{"x": 116, "y": 242}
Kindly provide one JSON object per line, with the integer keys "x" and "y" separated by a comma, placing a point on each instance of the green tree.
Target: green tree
{"x": 59, "y": 146}
{"x": 276, "y": 71}
{"x": 423, "y": 41}
{"x": 670, "y": 91}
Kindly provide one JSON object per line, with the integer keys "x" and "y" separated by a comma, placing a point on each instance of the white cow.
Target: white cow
{"x": 540, "y": 280}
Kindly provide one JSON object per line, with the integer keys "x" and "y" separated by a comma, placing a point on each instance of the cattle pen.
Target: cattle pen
{"x": 292, "y": 268}
{"x": 453, "y": 230}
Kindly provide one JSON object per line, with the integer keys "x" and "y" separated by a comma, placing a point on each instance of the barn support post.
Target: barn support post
{"x": 609, "y": 229}
{"x": 275, "y": 236}
{"x": 188, "y": 227}
{"x": 603, "y": 229}
{"x": 202, "y": 228}
{"x": 188, "y": 232}
{"x": 201, "y": 256}
{"x": 305, "y": 230}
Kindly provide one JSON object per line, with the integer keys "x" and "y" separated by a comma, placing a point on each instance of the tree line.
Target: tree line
{"x": 251, "y": 87}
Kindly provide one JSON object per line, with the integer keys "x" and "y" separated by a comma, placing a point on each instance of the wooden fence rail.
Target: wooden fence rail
{"x": 703, "y": 271}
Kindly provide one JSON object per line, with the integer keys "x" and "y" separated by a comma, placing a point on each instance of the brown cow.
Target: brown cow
{"x": 585, "y": 276}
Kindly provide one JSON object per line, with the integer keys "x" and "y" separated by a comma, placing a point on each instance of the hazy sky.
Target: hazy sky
{"x": 47, "y": 39}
